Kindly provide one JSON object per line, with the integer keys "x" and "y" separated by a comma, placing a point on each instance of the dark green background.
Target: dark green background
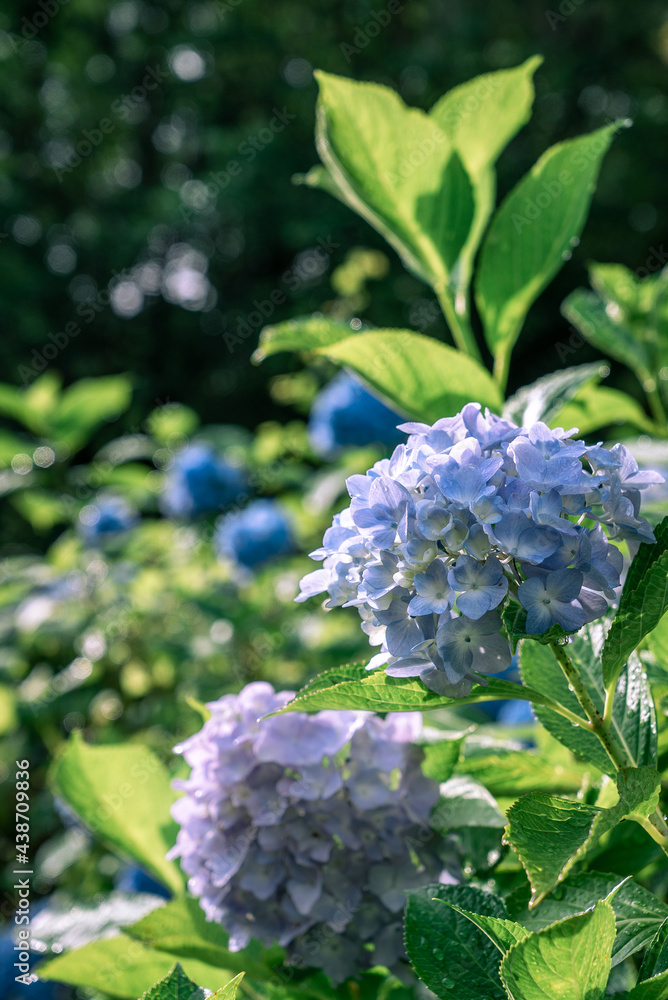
{"x": 602, "y": 60}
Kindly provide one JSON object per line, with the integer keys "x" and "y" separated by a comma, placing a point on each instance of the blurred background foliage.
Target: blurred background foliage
{"x": 149, "y": 228}
{"x": 150, "y": 240}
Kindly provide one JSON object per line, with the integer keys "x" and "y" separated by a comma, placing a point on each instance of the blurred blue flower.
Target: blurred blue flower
{"x": 132, "y": 878}
{"x": 200, "y": 482}
{"x": 255, "y": 535}
{"x": 107, "y": 517}
{"x": 345, "y": 413}
{"x": 516, "y": 713}
{"x": 9, "y": 988}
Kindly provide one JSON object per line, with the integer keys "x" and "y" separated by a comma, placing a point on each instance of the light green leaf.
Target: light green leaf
{"x": 181, "y": 929}
{"x": 123, "y": 794}
{"x": 465, "y": 803}
{"x": 86, "y": 405}
{"x": 597, "y": 406}
{"x": 606, "y": 329}
{"x": 398, "y": 169}
{"x": 655, "y": 959}
{"x": 638, "y": 913}
{"x": 415, "y": 373}
{"x": 639, "y": 790}
{"x": 177, "y": 986}
{"x": 643, "y": 603}
{"x": 453, "y": 959}
{"x": 304, "y": 333}
{"x": 657, "y": 642}
{"x": 549, "y": 835}
{"x": 507, "y": 772}
{"x": 374, "y": 691}
{"x": 544, "y": 399}
{"x": 570, "y": 959}
{"x": 481, "y": 116}
{"x": 123, "y": 968}
{"x": 502, "y": 933}
{"x": 41, "y": 402}
{"x": 651, "y": 989}
{"x": 532, "y": 230}
{"x": 41, "y": 509}
{"x": 633, "y": 720}
{"x": 440, "y": 759}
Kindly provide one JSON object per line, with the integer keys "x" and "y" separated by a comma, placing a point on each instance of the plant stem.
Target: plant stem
{"x": 656, "y": 406}
{"x": 501, "y": 369}
{"x": 596, "y": 724}
{"x": 655, "y": 825}
{"x": 460, "y": 326}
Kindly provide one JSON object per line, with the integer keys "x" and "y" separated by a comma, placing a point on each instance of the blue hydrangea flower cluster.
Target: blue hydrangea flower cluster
{"x": 106, "y": 518}
{"x": 199, "y": 482}
{"x": 344, "y": 413}
{"x": 463, "y": 516}
{"x": 307, "y": 829}
{"x": 255, "y": 535}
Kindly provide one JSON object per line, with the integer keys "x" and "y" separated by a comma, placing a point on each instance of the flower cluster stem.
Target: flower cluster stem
{"x": 600, "y": 725}
{"x": 597, "y": 725}
{"x": 460, "y": 326}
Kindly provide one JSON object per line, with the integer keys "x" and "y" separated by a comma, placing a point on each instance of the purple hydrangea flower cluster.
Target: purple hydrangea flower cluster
{"x": 463, "y": 516}
{"x": 307, "y": 829}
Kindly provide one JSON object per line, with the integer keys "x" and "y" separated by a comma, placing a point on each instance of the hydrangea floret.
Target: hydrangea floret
{"x": 467, "y": 515}
{"x": 306, "y": 829}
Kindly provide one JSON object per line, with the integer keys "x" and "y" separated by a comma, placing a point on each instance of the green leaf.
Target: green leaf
{"x": 123, "y": 968}
{"x": 639, "y": 790}
{"x": 43, "y": 510}
{"x": 123, "y": 794}
{"x": 481, "y": 116}
{"x": 465, "y": 803}
{"x": 304, "y": 333}
{"x": 544, "y": 399}
{"x": 415, "y": 373}
{"x": 87, "y": 404}
{"x": 40, "y": 402}
{"x": 374, "y": 691}
{"x": 570, "y": 959}
{"x": 597, "y": 406}
{"x": 607, "y": 330}
{"x": 177, "y": 986}
{"x": 453, "y": 959}
{"x": 181, "y": 929}
{"x": 549, "y": 835}
{"x": 502, "y": 933}
{"x": 530, "y": 233}
{"x": 633, "y": 720}
{"x": 399, "y": 170}
{"x": 643, "y": 603}
{"x": 440, "y": 759}
{"x": 655, "y": 959}
{"x": 638, "y": 913}
{"x": 507, "y": 772}
{"x": 650, "y": 989}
